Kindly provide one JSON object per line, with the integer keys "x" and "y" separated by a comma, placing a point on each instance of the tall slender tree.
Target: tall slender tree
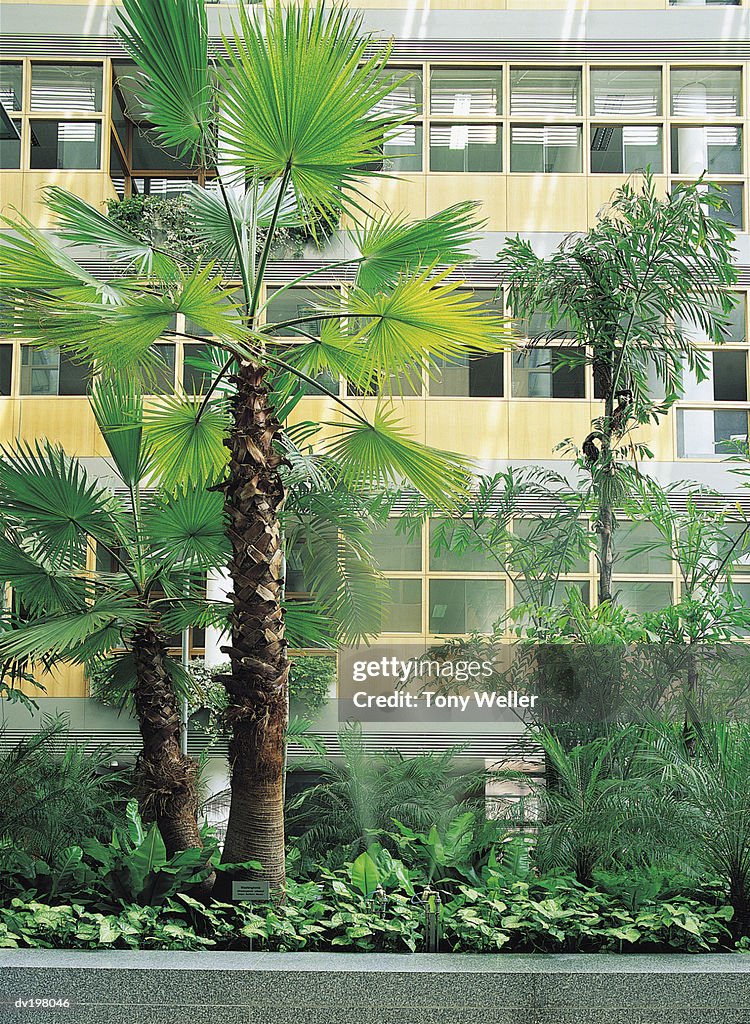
{"x": 632, "y": 290}
{"x": 293, "y": 104}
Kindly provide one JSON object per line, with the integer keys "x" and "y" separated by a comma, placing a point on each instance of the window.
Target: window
{"x": 540, "y": 530}
{"x": 396, "y": 551}
{"x": 726, "y": 382}
{"x": 65, "y": 145}
{"x": 405, "y": 97}
{"x": 714, "y": 148}
{"x": 66, "y": 87}
{"x": 148, "y": 156}
{"x": 402, "y": 149}
{"x": 465, "y": 606}
{"x": 733, "y": 214}
{"x": 294, "y": 303}
{"x": 655, "y": 559}
{"x": 524, "y": 594}
{"x": 161, "y": 186}
{"x": 196, "y": 371}
{"x": 621, "y": 149}
{"x": 11, "y": 84}
{"x": 47, "y": 371}
{"x": 403, "y": 613}
{"x": 545, "y": 92}
{"x": 710, "y": 433}
{"x": 6, "y": 369}
{"x": 470, "y": 377}
{"x": 468, "y": 560}
{"x": 540, "y": 325}
{"x": 642, "y": 597}
{"x": 551, "y": 149}
{"x": 705, "y": 3}
{"x": 466, "y": 147}
{"x": 466, "y": 92}
{"x": 626, "y": 92}
{"x": 162, "y": 380}
{"x": 706, "y": 92}
{"x": 546, "y": 373}
{"x": 735, "y": 332}
{"x": 10, "y": 143}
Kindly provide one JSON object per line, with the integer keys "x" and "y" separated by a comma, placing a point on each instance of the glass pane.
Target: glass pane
{"x": 119, "y": 120}
{"x": 65, "y": 145}
{"x": 642, "y": 597}
{"x": 543, "y": 373}
{"x": 742, "y": 590}
{"x": 551, "y": 149}
{"x": 734, "y": 195}
{"x": 705, "y": 3}
{"x": 6, "y": 368}
{"x": 706, "y": 93}
{"x": 654, "y": 561}
{"x": 465, "y": 606}
{"x": 715, "y": 148}
{"x": 621, "y": 149}
{"x": 726, "y": 382}
{"x": 470, "y": 377}
{"x": 405, "y": 98}
{"x": 545, "y": 92}
{"x": 466, "y": 147}
{"x": 466, "y": 92}
{"x": 523, "y": 594}
{"x": 403, "y": 613}
{"x": 467, "y": 560}
{"x": 11, "y": 85}
{"x": 163, "y": 372}
{"x": 710, "y": 433}
{"x": 394, "y": 551}
{"x": 402, "y": 150}
{"x": 626, "y": 92}
{"x": 10, "y": 145}
{"x": 540, "y": 325}
{"x": 40, "y": 369}
{"x": 295, "y": 303}
{"x": 66, "y": 87}
{"x": 147, "y": 156}
{"x": 74, "y": 376}
{"x": 195, "y": 375}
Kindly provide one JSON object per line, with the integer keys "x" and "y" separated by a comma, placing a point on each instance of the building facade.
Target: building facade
{"x": 537, "y": 109}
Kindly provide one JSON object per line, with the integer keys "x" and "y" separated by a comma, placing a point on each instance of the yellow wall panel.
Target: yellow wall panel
{"x": 536, "y": 427}
{"x": 316, "y": 410}
{"x": 659, "y": 437}
{"x": 547, "y": 202}
{"x": 68, "y": 421}
{"x": 62, "y": 681}
{"x": 404, "y": 194}
{"x": 11, "y": 191}
{"x": 586, "y": 5}
{"x": 408, "y": 414}
{"x": 93, "y": 186}
{"x": 489, "y": 189}
{"x": 9, "y": 410}
{"x": 470, "y": 426}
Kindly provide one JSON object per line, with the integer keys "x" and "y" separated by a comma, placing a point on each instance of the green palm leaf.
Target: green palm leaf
{"x": 36, "y": 583}
{"x": 298, "y": 91}
{"x": 117, "y": 405}
{"x": 29, "y": 261}
{"x": 82, "y": 224}
{"x": 419, "y": 322}
{"x": 168, "y": 39}
{"x": 390, "y": 244}
{"x": 76, "y": 636}
{"x": 187, "y": 527}
{"x": 49, "y": 499}
{"x": 187, "y": 448}
{"x": 307, "y": 626}
{"x": 381, "y": 452}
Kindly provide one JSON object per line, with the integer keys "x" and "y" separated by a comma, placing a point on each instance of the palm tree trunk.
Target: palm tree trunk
{"x": 257, "y": 687}
{"x": 166, "y": 778}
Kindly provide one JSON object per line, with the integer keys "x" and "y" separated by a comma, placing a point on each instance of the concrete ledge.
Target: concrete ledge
{"x": 350, "y": 988}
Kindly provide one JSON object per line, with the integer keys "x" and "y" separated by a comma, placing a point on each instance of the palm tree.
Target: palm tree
{"x": 294, "y": 104}
{"x": 630, "y": 290}
{"x": 149, "y": 554}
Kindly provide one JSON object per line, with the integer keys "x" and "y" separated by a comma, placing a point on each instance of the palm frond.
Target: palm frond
{"x": 40, "y": 587}
{"x": 82, "y": 224}
{"x": 298, "y": 96}
{"x": 187, "y": 448}
{"x": 169, "y": 43}
{"x": 307, "y": 626}
{"x": 390, "y": 244}
{"x": 49, "y": 499}
{"x": 186, "y": 527}
{"x": 381, "y": 453}
{"x": 117, "y": 405}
